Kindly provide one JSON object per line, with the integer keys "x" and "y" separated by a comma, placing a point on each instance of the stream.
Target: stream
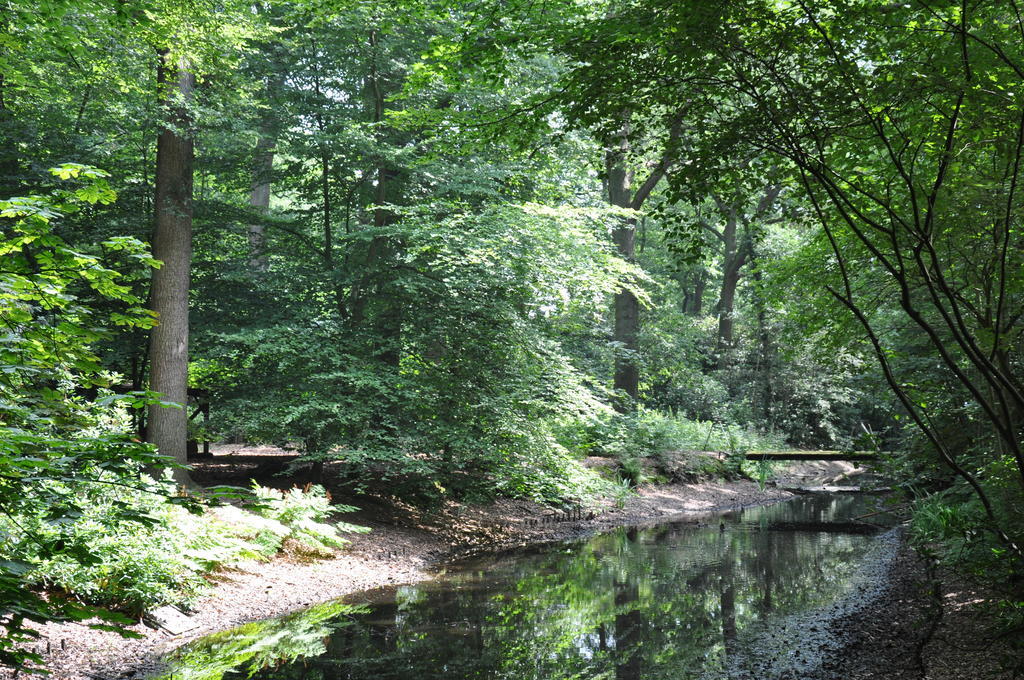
{"x": 692, "y": 598}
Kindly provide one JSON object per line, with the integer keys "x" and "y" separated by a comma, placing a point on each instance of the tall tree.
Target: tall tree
{"x": 259, "y": 197}
{"x": 627, "y": 308}
{"x": 643, "y": 130}
{"x": 622, "y": 194}
{"x": 167, "y": 426}
{"x": 737, "y": 238}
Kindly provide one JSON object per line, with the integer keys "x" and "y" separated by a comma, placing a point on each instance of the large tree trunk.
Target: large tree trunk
{"x": 263, "y": 175}
{"x": 766, "y": 358}
{"x": 259, "y": 198}
{"x": 732, "y": 262}
{"x": 726, "y": 312}
{"x": 627, "y": 307}
{"x": 622, "y": 194}
{"x": 737, "y": 248}
{"x": 172, "y": 244}
{"x": 387, "y": 322}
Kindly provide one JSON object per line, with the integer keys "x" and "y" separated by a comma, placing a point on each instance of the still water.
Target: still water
{"x": 674, "y": 601}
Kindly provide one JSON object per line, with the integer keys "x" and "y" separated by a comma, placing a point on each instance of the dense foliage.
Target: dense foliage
{"x": 459, "y": 247}
{"x": 61, "y": 451}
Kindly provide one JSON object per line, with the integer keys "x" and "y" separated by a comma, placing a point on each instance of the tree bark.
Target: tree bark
{"x": 627, "y": 307}
{"x": 621, "y": 194}
{"x": 766, "y": 359}
{"x": 727, "y": 311}
{"x": 259, "y": 198}
{"x": 733, "y": 259}
{"x": 693, "y": 285}
{"x": 172, "y": 244}
{"x": 382, "y": 248}
{"x": 737, "y": 250}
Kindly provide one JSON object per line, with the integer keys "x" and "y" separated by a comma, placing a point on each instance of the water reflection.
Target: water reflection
{"x": 666, "y": 602}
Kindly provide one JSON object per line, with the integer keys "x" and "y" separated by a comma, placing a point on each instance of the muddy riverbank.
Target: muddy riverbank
{"x": 902, "y": 619}
{"x": 927, "y": 622}
{"x": 404, "y": 546}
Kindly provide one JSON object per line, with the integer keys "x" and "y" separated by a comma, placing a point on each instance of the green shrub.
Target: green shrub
{"x": 134, "y": 570}
{"x": 265, "y": 536}
{"x": 134, "y": 566}
{"x": 551, "y": 475}
{"x": 63, "y": 440}
{"x": 632, "y": 471}
{"x": 631, "y": 438}
{"x": 952, "y": 525}
{"x": 467, "y": 400}
{"x": 302, "y": 511}
{"x": 936, "y": 520}
{"x": 129, "y": 566}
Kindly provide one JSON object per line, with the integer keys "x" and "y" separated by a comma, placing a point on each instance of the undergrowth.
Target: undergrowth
{"x": 953, "y": 528}
{"x": 135, "y": 566}
{"x": 653, "y": 446}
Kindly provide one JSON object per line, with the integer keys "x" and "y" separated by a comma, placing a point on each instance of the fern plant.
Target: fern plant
{"x": 303, "y": 512}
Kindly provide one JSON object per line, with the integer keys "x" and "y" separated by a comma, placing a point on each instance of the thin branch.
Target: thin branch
{"x": 847, "y": 300}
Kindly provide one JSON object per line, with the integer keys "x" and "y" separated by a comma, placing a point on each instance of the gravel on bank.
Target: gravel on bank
{"x": 929, "y": 622}
{"x": 902, "y": 618}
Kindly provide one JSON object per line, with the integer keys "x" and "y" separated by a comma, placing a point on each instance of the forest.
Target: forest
{"x": 448, "y": 251}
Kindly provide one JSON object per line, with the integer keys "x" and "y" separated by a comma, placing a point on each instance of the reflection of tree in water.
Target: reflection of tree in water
{"x": 727, "y": 597}
{"x": 629, "y": 624}
{"x": 668, "y": 602}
